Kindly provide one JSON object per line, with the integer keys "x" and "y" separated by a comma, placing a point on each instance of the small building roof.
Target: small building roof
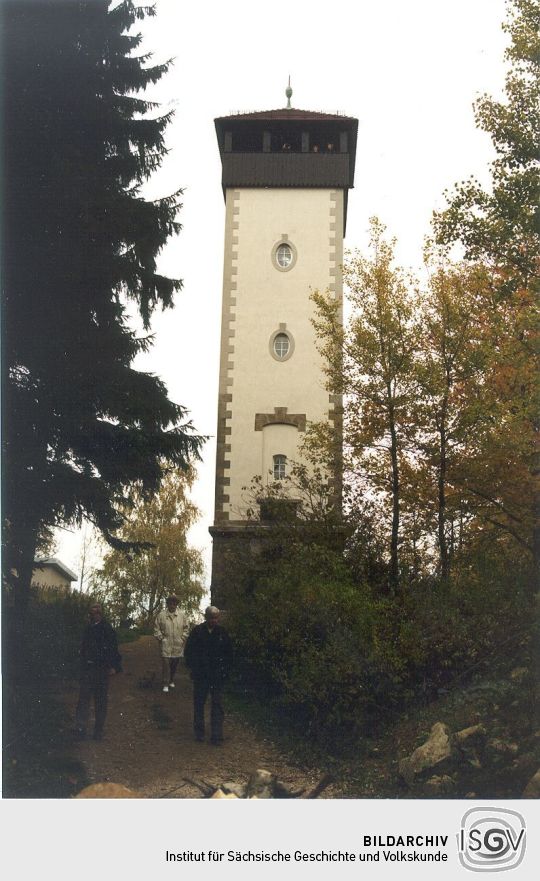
{"x": 55, "y": 564}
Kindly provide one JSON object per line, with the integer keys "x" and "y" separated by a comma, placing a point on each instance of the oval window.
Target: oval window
{"x": 284, "y": 255}
{"x": 281, "y": 345}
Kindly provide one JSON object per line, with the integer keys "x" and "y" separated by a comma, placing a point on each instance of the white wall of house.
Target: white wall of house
{"x": 49, "y": 576}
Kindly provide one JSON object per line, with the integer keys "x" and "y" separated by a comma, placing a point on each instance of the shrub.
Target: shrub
{"x": 54, "y": 626}
{"x": 304, "y": 636}
{"x": 338, "y": 659}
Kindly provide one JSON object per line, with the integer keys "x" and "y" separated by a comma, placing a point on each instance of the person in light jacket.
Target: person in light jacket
{"x": 169, "y": 631}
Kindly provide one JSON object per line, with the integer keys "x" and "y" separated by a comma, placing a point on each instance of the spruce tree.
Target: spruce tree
{"x": 81, "y": 425}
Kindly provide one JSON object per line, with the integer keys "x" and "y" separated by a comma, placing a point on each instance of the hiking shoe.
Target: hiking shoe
{"x": 216, "y": 741}
{"x": 199, "y": 738}
{"x": 79, "y": 733}
{"x": 171, "y": 685}
{"x": 97, "y": 735}
{"x": 165, "y": 689}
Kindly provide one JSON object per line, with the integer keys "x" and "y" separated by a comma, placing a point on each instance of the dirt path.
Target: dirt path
{"x": 149, "y": 746}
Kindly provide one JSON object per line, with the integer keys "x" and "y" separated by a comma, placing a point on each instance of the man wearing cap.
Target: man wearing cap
{"x": 169, "y": 632}
{"x": 208, "y": 655}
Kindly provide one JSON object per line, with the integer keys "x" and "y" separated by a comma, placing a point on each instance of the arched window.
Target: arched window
{"x": 280, "y": 463}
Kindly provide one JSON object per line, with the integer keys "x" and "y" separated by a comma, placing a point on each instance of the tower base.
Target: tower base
{"x": 235, "y": 549}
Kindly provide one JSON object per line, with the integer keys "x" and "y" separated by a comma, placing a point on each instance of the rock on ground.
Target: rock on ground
{"x": 532, "y": 790}
{"x": 434, "y": 752}
{"x": 107, "y": 790}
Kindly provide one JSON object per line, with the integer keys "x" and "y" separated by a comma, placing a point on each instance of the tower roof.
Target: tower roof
{"x": 287, "y": 114}
{"x": 287, "y": 147}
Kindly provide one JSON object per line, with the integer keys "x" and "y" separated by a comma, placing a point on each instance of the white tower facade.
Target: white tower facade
{"x": 286, "y": 174}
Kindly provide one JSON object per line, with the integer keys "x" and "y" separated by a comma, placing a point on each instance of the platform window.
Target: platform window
{"x": 280, "y": 466}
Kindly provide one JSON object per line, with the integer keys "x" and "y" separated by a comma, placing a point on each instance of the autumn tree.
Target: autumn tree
{"x": 134, "y": 585}
{"x": 499, "y": 225}
{"x": 370, "y": 363}
{"x": 498, "y": 229}
{"x": 447, "y": 412}
{"x": 80, "y": 241}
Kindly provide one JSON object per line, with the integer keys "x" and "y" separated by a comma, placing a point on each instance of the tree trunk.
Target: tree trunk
{"x": 441, "y": 513}
{"x": 535, "y": 585}
{"x": 394, "y": 541}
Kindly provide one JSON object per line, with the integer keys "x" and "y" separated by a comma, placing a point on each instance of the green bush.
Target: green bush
{"x": 42, "y": 649}
{"x": 131, "y": 634}
{"x": 304, "y": 637}
{"x": 448, "y": 629}
{"x": 54, "y": 625}
{"x": 339, "y": 660}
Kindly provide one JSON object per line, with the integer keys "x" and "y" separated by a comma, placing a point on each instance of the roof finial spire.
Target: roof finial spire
{"x": 288, "y": 92}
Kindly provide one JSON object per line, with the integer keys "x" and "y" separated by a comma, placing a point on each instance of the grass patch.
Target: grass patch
{"x": 131, "y": 634}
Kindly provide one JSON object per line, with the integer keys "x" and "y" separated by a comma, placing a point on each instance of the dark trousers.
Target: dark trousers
{"x": 94, "y": 686}
{"x": 201, "y": 689}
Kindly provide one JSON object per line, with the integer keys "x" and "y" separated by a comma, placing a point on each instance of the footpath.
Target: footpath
{"x": 149, "y": 746}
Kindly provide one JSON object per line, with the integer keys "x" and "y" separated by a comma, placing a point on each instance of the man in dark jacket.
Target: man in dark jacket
{"x": 208, "y": 654}
{"x": 99, "y": 660}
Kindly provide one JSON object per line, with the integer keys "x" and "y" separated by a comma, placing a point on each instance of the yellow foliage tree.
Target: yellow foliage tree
{"x": 135, "y": 584}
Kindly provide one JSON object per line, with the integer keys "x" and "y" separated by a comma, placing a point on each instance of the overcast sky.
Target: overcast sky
{"x": 409, "y": 71}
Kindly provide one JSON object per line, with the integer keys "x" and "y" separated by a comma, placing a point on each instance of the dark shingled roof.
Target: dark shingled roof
{"x": 286, "y": 114}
